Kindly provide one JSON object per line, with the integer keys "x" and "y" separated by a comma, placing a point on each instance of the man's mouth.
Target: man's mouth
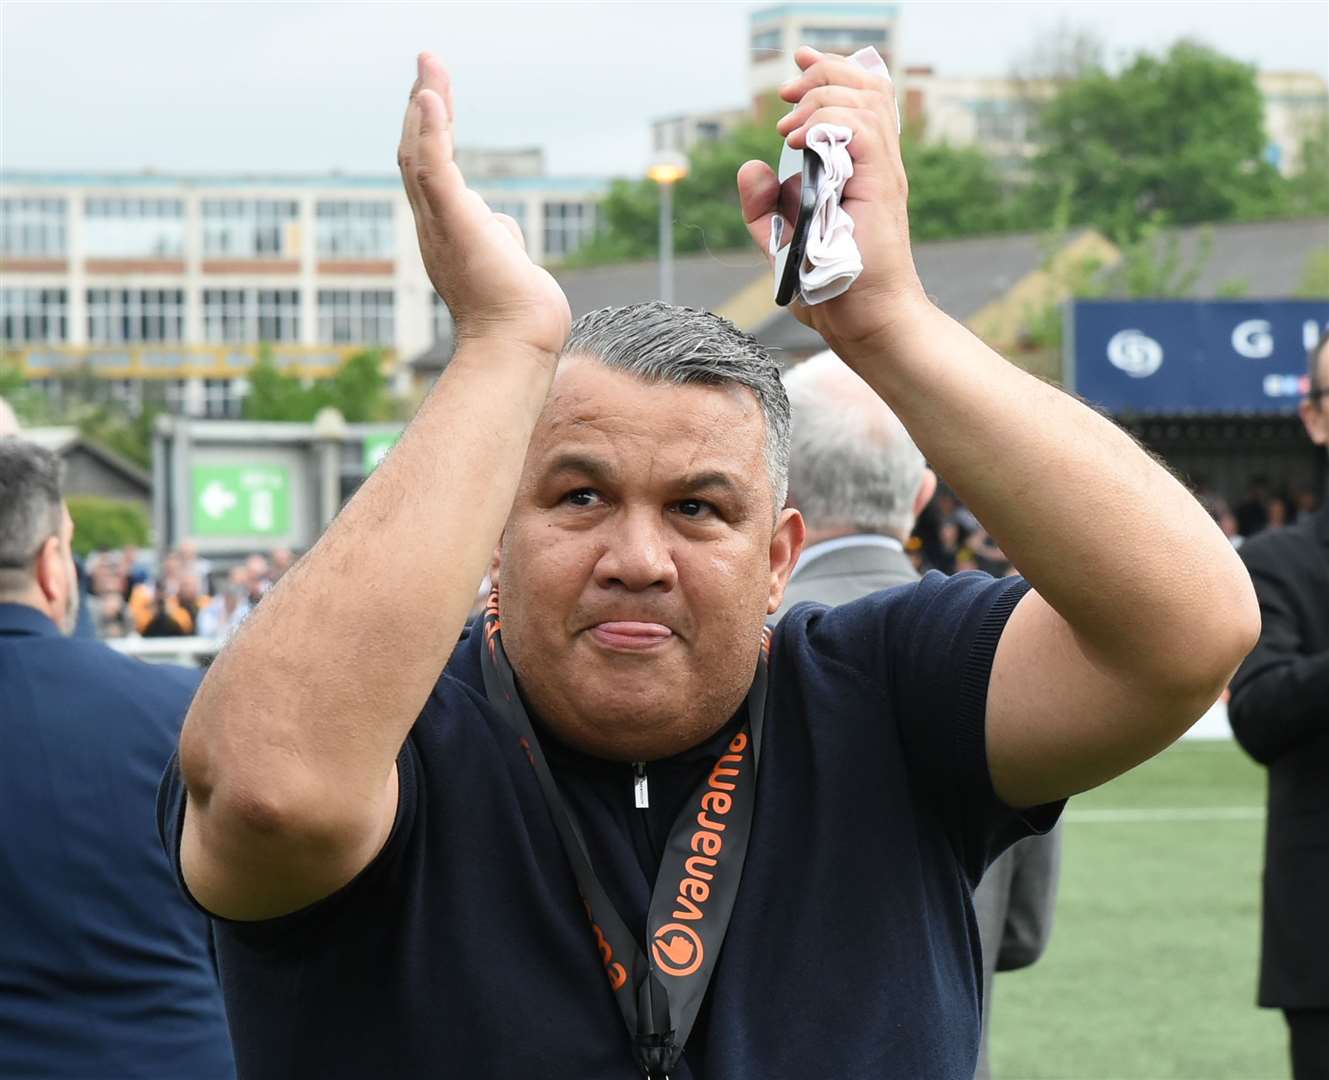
{"x": 630, "y": 636}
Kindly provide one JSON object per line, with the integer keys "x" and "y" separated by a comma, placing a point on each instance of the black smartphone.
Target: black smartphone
{"x": 799, "y": 174}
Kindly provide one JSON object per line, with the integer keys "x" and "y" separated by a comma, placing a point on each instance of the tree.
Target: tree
{"x": 707, "y": 215}
{"x": 1180, "y": 136}
{"x": 106, "y": 524}
{"x": 952, "y": 191}
{"x": 359, "y": 390}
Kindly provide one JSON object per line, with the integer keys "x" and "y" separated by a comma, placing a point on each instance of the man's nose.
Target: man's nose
{"x": 637, "y": 554}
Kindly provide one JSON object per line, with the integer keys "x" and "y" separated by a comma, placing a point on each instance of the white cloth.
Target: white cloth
{"x": 831, "y": 261}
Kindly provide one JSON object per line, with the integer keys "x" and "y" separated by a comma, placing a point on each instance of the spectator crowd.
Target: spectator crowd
{"x": 130, "y": 593}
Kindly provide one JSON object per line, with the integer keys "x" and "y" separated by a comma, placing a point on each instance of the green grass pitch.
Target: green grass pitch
{"x": 1151, "y": 971}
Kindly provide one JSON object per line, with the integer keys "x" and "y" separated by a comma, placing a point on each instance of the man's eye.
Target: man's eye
{"x": 694, "y": 508}
{"x": 582, "y": 497}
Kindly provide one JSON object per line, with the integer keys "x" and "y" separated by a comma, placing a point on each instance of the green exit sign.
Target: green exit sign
{"x": 241, "y": 500}
{"x": 376, "y": 449}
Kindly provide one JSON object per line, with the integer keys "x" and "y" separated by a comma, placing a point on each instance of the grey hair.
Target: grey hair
{"x": 31, "y": 508}
{"x": 853, "y": 464}
{"x": 659, "y": 342}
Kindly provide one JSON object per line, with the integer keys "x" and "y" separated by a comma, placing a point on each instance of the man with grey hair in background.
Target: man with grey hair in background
{"x": 105, "y": 970}
{"x": 860, "y": 483}
{"x": 616, "y": 828}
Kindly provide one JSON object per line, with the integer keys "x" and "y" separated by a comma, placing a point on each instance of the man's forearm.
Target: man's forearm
{"x": 319, "y": 690}
{"x": 1104, "y": 534}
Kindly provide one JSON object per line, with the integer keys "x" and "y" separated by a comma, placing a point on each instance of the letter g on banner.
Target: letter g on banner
{"x": 677, "y": 949}
{"x": 1253, "y": 340}
{"x": 1135, "y": 353}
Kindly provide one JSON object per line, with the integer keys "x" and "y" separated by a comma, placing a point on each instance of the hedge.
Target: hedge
{"x": 104, "y": 524}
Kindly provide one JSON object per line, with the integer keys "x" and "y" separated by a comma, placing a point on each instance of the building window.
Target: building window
{"x": 765, "y": 41}
{"x": 247, "y": 316}
{"x": 33, "y": 227}
{"x": 223, "y": 399}
{"x": 354, "y": 230}
{"x": 567, "y": 226}
{"x": 33, "y": 316}
{"x": 135, "y": 316}
{"x": 133, "y": 228}
{"x": 849, "y": 38}
{"x": 355, "y": 316}
{"x": 514, "y": 210}
{"x": 248, "y": 228}
{"x": 279, "y": 315}
{"x": 128, "y": 393}
{"x": 174, "y": 396}
{"x": 998, "y": 120}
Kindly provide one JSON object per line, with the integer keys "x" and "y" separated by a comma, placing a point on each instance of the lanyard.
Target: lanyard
{"x": 693, "y": 899}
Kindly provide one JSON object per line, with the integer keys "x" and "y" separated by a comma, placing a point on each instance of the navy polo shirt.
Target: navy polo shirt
{"x": 463, "y": 949}
{"x": 105, "y": 970}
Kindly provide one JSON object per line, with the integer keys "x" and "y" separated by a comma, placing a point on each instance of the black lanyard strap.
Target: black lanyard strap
{"x": 696, "y": 885}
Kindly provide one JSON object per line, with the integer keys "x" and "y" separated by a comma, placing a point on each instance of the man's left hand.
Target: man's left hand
{"x": 833, "y": 90}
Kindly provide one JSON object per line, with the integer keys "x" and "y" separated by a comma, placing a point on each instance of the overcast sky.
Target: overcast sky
{"x": 273, "y": 87}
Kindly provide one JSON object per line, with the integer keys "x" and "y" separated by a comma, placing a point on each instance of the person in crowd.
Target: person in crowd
{"x": 1305, "y": 503}
{"x": 1279, "y": 710}
{"x": 259, "y": 575}
{"x": 518, "y": 851}
{"x": 1276, "y": 512}
{"x": 281, "y": 559}
{"x": 223, "y": 616}
{"x": 188, "y": 601}
{"x": 1218, "y": 509}
{"x": 135, "y": 573}
{"x": 111, "y": 619}
{"x": 192, "y": 565}
{"x": 105, "y": 969}
{"x": 860, "y": 482}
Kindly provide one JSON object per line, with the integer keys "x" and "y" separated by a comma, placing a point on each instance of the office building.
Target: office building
{"x": 162, "y": 287}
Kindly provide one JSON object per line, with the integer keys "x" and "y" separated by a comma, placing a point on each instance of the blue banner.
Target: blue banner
{"x": 1193, "y": 356}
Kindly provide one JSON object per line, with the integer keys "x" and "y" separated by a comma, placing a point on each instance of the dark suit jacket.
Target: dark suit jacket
{"x": 105, "y": 967}
{"x": 1014, "y": 902}
{"x": 1280, "y": 715}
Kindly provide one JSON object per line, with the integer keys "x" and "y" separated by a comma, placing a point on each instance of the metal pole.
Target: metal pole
{"x": 667, "y": 243}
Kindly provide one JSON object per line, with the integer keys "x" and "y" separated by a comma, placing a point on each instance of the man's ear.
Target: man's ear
{"x": 786, "y": 546}
{"x": 926, "y": 490}
{"x": 1316, "y": 420}
{"x": 51, "y": 573}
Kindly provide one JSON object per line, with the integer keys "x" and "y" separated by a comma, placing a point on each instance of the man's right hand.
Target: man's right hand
{"x": 475, "y": 258}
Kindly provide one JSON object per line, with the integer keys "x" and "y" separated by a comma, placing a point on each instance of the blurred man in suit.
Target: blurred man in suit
{"x": 105, "y": 969}
{"x": 1280, "y": 715}
{"x": 860, "y": 482}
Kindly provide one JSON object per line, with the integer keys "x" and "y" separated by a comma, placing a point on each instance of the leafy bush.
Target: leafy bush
{"x": 102, "y": 524}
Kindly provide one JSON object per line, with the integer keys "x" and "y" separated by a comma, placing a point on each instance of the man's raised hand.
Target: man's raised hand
{"x": 833, "y": 90}
{"x": 475, "y": 258}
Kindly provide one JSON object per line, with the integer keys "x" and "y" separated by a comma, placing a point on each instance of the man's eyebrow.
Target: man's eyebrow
{"x": 592, "y": 468}
{"x": 714, "y": 478}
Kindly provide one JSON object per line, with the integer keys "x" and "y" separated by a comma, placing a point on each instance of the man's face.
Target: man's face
{"x": 640, "y": 560}
{"x": 1315, "y": 413}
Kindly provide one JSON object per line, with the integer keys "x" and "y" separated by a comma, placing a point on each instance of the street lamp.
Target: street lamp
{"x": 666, "y": 170}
